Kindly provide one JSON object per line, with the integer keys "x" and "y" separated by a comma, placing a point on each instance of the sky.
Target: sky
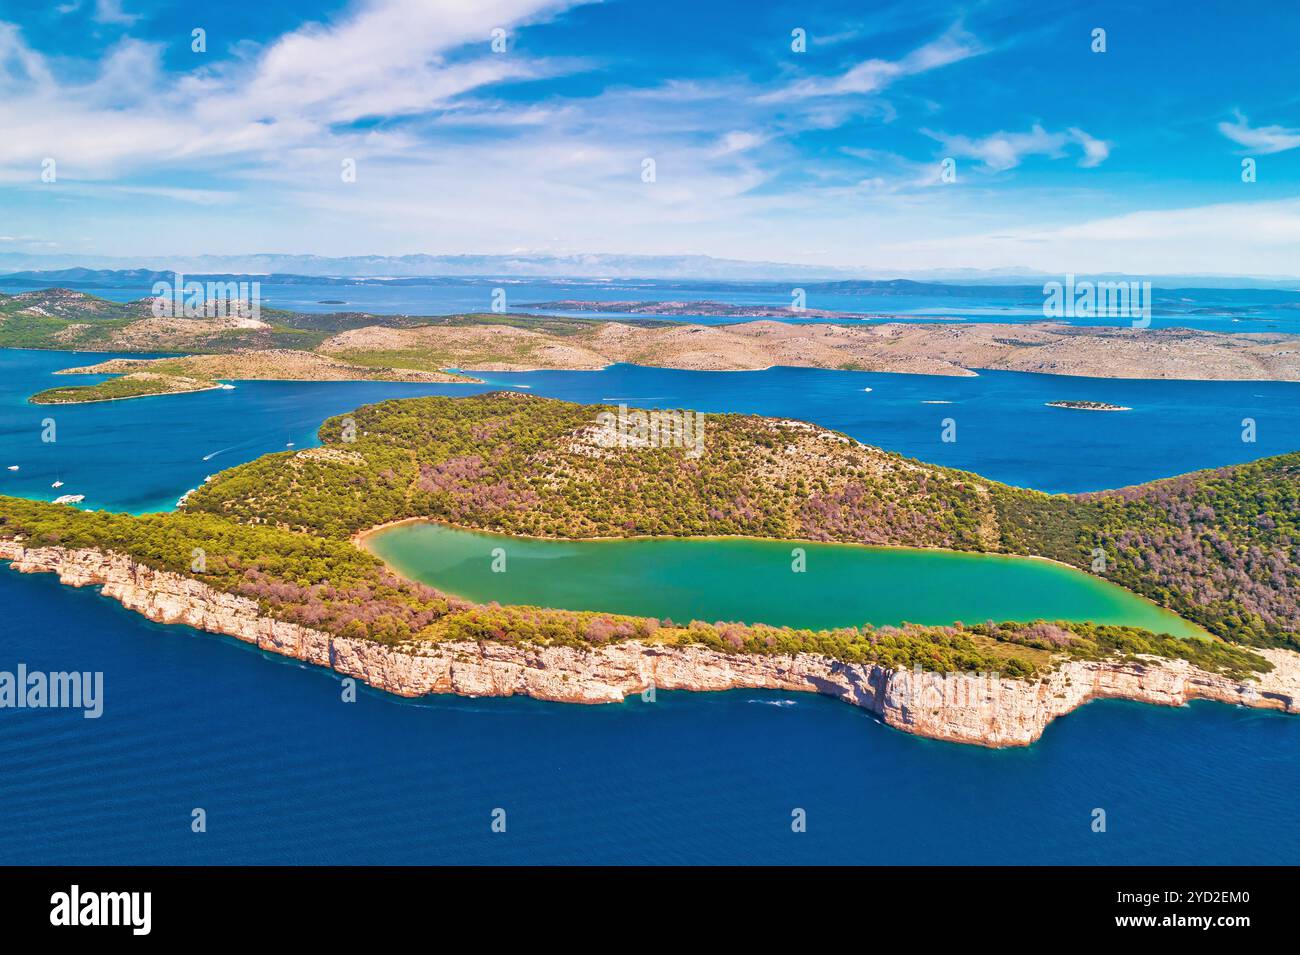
{"x": 812, "y": 132}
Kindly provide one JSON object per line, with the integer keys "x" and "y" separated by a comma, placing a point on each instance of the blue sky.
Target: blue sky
{"x": 1066, "y": 159}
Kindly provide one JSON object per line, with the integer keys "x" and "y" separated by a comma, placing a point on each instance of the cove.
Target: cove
{"x": 751, "y": 581}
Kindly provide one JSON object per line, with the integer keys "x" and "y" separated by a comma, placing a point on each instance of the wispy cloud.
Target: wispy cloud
{"x": 738, "y": 141}
{"x": 299, "y": 96}
{"x": 1260, "y": 139}
{"x": 1001, "y": 151}
{"x": 873, "y": 76}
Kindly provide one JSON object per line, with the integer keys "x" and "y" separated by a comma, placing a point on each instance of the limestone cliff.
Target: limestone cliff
{"x": 967, "y": 708}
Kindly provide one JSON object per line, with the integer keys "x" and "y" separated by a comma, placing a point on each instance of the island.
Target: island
{"x": 138, "y": 384}
{"x": 695, "y": 309}
{"x": 163, "y": 376}
{"x": 1088, "y": 406}
{"x": 337, "y": 345}
{"x": 284, "y": 568}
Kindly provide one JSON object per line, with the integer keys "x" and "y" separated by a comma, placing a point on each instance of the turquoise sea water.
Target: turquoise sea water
{"x": 287, "y": 772}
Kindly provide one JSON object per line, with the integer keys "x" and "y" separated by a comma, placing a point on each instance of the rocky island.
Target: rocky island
{"x": 281, "y": 568}
{"x": 1087, "y": 406}
{"x": 334, "y": 346}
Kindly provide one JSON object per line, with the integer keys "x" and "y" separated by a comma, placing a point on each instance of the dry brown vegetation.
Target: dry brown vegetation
{"x": 932, "y": 349}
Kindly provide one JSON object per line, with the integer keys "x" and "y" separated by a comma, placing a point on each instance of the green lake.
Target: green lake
{"x": 753, "y": 581}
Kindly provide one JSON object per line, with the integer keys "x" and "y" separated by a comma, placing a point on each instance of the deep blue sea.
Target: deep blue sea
{"x": 141, "y": 455}
{"x": 289, "y": 773}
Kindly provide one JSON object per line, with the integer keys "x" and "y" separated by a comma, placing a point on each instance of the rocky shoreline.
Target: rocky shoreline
{"x": 982, "y": 709}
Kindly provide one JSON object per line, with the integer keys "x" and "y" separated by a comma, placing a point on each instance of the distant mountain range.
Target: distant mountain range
{"x": 448, "y": 266}
{"x": 109, "y": 272}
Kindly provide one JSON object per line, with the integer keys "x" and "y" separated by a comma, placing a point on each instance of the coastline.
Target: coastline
{"x": 971, "y": 708}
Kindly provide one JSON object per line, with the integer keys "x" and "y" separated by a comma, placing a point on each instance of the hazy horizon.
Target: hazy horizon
{"x": 589, "y": 268}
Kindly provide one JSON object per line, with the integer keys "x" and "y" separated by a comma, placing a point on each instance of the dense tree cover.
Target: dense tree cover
{"x": 518, "y": 464}
{"x": 45, "y": 331}
{"x": 1219, "y": 547}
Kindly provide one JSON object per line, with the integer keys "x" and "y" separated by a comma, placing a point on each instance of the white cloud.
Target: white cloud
{"x": 1001, "y": 151}
{"x": 110, "y": 11}
{"x": 737, "y": 141}
{"x": 1095, "y": 151}
{"x": 292, "y": 100}
{"x": 1260, "y": 139}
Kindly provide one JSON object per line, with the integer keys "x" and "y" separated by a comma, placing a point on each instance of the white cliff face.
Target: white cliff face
{"x": 966, "y": 708}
